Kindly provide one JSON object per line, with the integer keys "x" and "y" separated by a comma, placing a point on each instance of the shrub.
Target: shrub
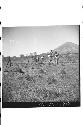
{"x": 63, "y": 73}
{"x": 41, "y": 71}
{"x": 53, "y": 95}
{"x": 52, "y": 80}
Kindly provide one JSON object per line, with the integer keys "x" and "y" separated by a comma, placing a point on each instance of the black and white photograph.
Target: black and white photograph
{"x": 41, "y": 66}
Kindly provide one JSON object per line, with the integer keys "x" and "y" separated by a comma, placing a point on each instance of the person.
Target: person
{"x": 36, "y": 58}
{"x": 51, "y": 55}
{"x": 9, "y": 61}
{"x": 56, "y": 54}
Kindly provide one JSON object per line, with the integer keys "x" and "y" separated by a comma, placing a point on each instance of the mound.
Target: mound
{"x": 68, "y": 47}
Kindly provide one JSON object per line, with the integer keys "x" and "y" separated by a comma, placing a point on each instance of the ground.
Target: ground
{"x": 31, "y": 81}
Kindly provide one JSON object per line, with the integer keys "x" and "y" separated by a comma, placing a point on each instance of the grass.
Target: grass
{"x": 32, "y": 81}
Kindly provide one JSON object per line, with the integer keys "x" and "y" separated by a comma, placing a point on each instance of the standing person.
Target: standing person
{"x": 56, "y": 57}
{"x": 9, "y": 61}
{"x": 51, "y": 55}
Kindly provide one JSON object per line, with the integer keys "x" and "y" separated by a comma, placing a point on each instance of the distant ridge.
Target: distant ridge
{"x": 68, "y": 47}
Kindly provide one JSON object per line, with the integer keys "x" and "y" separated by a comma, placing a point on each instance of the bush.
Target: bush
{"x": 52, "y": 80}
{"x": 63, "y": 73}
{"x": 53, "y": 95}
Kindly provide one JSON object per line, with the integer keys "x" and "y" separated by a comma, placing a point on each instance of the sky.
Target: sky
{"x": 40, "y": 39}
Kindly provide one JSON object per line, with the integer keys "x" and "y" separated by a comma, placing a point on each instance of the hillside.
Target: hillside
{"x": 28, "y": 80}
{"x": 68, "y": 47}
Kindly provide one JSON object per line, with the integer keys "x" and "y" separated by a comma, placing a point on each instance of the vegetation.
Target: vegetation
{"x": 28, "y": 79}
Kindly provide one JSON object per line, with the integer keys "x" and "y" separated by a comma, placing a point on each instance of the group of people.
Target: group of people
{"x": 53, "y": 55}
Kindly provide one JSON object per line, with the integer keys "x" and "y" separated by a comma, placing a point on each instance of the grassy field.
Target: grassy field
{"x": 25, "y": 80}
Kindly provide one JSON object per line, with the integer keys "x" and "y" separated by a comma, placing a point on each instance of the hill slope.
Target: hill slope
{"x": 28, "y": 80}
{"x": 68, "y": 47}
